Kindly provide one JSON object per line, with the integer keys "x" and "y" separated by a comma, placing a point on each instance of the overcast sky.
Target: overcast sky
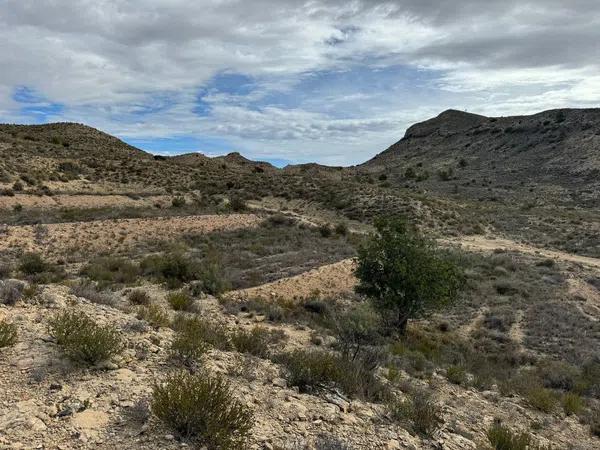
{"x": 332, "y": 81}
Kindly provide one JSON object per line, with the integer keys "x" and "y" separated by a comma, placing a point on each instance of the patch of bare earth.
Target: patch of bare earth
{"x": 81, "y": 201}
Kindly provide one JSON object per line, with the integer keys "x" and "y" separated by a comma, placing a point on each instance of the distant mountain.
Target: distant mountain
{"x": 552, "y": 156}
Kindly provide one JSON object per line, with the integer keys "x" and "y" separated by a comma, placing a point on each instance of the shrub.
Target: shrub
{"x": 311, "y": 370}
{"x": 541, "y": 398}
{"x": 593, "y": 420}
{"x": 502, "y": 438}
{"x": 82, "y": 339}
{"x": 255, "y": 341}
{"x": 326, "y": 442}
{"x": 237, "y": 203}
{"x": 32, "y": 264}
{"x": 201, "y": 407}
{"x": 558, "y": 375}
{"x": 356, "y": 328}
{"x": 419, "y": 411}
{"x": 456, "y": 374}
{"x": 8, "y": 334}
{"x": 111, "y": 270}
{"x": 11, "y": 291}
{"x": 173, "y": 268}
{"x": 212, "y": 333}
{"x": 341, "y": 229}
{"x": 572, "y": 404}
{"x": 139, "y": 297}
{"x": 180, "y": 301}
{"x": 325, "y": 230}
{"x": 94, "y": 294}
{"x": 404, "y": 274}
{"x": 178, "y": 202}
{"x": 154, "y": 315}
{"x": 189, "y": 344}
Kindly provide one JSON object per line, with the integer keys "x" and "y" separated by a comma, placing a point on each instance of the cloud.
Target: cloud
{"x": 327, "y": 80}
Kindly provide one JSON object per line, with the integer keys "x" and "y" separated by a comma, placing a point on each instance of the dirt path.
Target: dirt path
{"x": 481, "y": 243}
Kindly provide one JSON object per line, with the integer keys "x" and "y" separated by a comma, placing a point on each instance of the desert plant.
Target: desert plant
{"x": 11, "y": 291}
{"x": 541, "y": 398}
{"x": 456, "y": 374}
{"x": 189, "y": 344}
{"x": 502, "y": 438}
{"x": 419, "y": 410}
{"x": 173, "y": 268}
{"x": 255, "y": 341}
{"x": 33, "y": 264}
{"x": 154, "y": 315}
{"x": 572, "y": 403}
{"x": 110, "y": 269}
{"x": 82, "y": 339}
{"x": 178, "y": 202}
{"x": 404, "y": 274}
{"x": 356, "y": 328}
{"x": 93, "y": 293}
{"x": 180, "y": 301}
{"x": 201, "y": 407}
{"x": 237, "y": 203}
{"x": 327, "y": 442}
{"x": 139, "y": 297}
{"x": 8, "y": 334}
{"x": 213, "y": 334}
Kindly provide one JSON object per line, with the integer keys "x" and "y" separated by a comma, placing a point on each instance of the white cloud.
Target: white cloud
{"x": 135, "y": 67}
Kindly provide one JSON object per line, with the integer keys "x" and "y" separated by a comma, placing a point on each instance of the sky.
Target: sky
{"x": 330, "y": 81}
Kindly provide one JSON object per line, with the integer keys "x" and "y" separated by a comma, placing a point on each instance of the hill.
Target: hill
{"x": 553, "y": 156}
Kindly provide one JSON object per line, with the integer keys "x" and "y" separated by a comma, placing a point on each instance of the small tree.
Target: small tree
{"x": 404, "y": 274}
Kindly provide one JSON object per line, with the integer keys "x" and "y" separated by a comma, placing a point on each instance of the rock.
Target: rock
{"x": 393, "y": 444}
{"x": 280, "y": 382}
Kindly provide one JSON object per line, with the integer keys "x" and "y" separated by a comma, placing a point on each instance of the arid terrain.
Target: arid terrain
{"x": 260, "y": 261}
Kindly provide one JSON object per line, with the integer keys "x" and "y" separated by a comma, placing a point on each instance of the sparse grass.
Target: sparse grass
{"x": 202, "y": 408}
{"x": 8, "y": 334}
{"x": 256, "y": 341}
{"x": 82, "y": 339}
{"x": 180, "y": 301}
{"x": 419, "y": 411}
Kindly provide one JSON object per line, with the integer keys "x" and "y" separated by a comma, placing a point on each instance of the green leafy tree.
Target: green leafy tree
{"x": 404, "y": 274}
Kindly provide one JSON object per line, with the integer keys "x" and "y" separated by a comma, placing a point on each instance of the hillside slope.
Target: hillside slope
{"x": 553, "y": 156}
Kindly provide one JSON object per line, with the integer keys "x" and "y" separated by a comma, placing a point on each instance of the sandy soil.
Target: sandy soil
{"x": 81, "y": 201}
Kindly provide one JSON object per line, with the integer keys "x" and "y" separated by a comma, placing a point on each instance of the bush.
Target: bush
{"x": 456, "y": 374}
{"x": 211, "y": 333}
{"x": 502, "y": 438}
{"x": 154, "y": 315}
{"x": 139, "y": 297}
{"x": 82, "y": 339}
{"x": 8, "y": 334}
{"x": 572, "y": 404}
{"x": 311, "y": 370}
{"x": 33, "y": 264}
{"x": 325, "y": 230}
{"x": 542, "y": 399}
{"x": 255, "y": 341}
{"x": 107, "y": 270}
{"x": 356, "y": 328}
{"x": 180, "y": 301}
{"x": 173, "y": 268}
{"x": 237, "y": 203}
{"x": 404, "y": 274}
{"x": 189, "y": 344}
{"x": 341, "y": 229}
{"x": 11, "y": 291}
{"x": 178, "y": 202}
{"x": 419, "y": 411}
{"x": 201, "y": 407}
{"x": 94, "y": 294}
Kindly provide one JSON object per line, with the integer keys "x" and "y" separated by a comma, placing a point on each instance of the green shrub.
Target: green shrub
{"x": 201, "y": 407}
{"x": 311, "y": 370}
{"x": 572, "y": 403}
{"x": 139, "y": 297}
{"x": 211, "y": 333}
{"x": 82, "y": 339}
{"x": 341, "y": 229}
{"x": 502, "y": 438}
{"x": 419, "y": 411}
{"x": 173, "y": 268}
{"x": 154, "y": 315}
{"x": 33, "y": 264}
{"x": 325, "y": 230}
{"x": 107, "y": 270}
{"x": 456, "y": 374}
{"x": 178, "y": 202}
{"x": 542, "y": 399}
{"x": 189, "y": 344}
{"x": 8, "y": 334}
{"x": 255, "y": 341}
{"x": 237, "y": 203}
{"x": 356, "y": 328}
{"x": 180, "y": 301}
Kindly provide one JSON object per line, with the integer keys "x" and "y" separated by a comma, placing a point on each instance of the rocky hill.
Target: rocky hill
{"x": 553, "y": 156}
